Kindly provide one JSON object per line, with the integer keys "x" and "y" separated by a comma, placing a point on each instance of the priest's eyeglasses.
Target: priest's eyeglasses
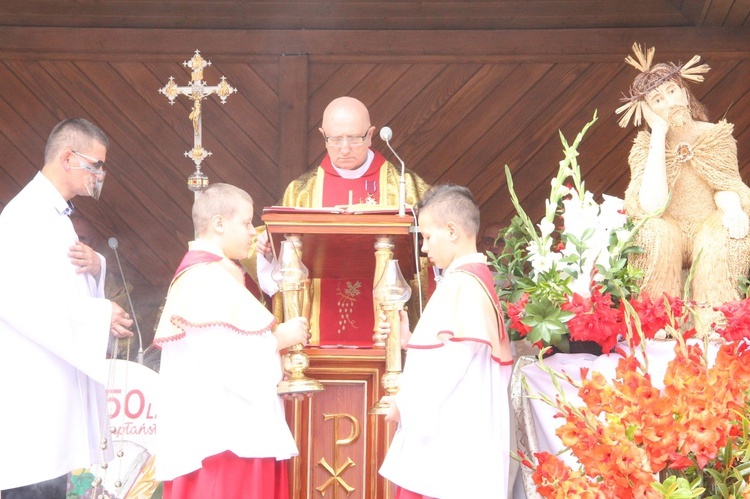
{"x": 355, "y": 140}
{"x": 91, "y": 165}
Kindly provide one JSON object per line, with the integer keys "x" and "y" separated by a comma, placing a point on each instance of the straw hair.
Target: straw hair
{"x": 651, "y": 78}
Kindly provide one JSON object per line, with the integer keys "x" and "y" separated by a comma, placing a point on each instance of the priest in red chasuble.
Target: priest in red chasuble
{"x": 351, "y": 172}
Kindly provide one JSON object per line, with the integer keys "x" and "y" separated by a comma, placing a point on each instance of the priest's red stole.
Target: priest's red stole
{"x": 346, "y": 311}
{"x": 336, "y": 188}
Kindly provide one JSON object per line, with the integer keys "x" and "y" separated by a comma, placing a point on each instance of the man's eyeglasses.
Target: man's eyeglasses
{"x": 355, "y": 140}
{"x": 90, "y": 164}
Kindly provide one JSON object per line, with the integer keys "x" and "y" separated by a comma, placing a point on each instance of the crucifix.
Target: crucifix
{"x": 197, "y": 90}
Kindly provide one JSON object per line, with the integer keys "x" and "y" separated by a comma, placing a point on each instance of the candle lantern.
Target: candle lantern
{"x": 391, "y": 293}
{"x": 292, "y": 277}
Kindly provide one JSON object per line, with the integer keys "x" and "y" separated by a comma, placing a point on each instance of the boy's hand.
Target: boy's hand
{"x": 393, "y": 415}
{"x": 405, "y": 331}
{"x": 263, "y": 246}
{"x": 291, "y": 332}
{"x": 295, "y": 396}
{"x": 384, "y": 328}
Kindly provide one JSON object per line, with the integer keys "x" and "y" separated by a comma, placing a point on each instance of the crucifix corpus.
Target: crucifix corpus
{"x": 197, "y": 90}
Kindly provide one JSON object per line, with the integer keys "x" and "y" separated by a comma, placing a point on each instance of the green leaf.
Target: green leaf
{"x": 563, "y": 344}
{"x": 630, "y": 431}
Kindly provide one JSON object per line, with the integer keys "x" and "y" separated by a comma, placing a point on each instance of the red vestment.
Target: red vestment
{"x": 348, "y": 313}
{"x": 227, "y": 476}
{"x": 342, "y": 309}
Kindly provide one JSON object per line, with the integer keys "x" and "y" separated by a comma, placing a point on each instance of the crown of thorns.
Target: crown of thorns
{"x": 642, "y": 62}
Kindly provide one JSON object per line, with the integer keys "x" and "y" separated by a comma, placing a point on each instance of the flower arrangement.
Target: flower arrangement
{"x": 691, "y": 439}
{"x": 566, "y": 281}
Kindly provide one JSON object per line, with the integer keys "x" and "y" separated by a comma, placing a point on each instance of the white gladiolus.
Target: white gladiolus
{"x": 559, "y": 262}
{"x": 612, "y": 212}
{"x": 580, "y": 215}
{"x": 547, "y": 228}
{"x": 581, "y": 286}
{"x": 541, "y": 259}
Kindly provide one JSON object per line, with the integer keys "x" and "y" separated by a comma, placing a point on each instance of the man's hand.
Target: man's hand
{"x": 85, "y": 259}
{"x": 120, "y": 323}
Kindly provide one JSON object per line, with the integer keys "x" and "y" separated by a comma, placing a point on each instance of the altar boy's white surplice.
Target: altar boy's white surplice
{"x": 453, "y": 439}
{"x": 54, "y": 326}
{"x": 219, "y": 369}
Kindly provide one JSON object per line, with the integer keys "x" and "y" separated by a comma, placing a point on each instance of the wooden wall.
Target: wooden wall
{"x": 462, "y": 105}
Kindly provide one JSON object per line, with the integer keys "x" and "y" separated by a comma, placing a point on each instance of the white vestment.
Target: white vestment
{"x": 54, "y": 326}
{"x": 453, "y": 439}
{"x": 219, "y": 371}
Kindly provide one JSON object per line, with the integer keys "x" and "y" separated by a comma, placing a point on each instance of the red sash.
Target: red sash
{"x": 197, "y": 257}
{"x": 192, "y": 258}
{"x": 483, "y": 274}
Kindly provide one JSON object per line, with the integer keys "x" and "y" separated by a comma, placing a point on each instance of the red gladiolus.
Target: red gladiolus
{"x": 596, "y": 319}
{"x": 737, "y": 314}
{"x": 516, "y": 313}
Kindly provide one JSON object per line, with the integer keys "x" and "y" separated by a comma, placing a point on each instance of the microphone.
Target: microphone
{"x": 113, "y": 244}
{"x": 386, "y": 134}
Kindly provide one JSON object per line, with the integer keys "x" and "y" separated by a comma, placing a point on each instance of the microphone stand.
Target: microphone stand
{"x": 402, "y": 193}
{"x": 386, "y": 134}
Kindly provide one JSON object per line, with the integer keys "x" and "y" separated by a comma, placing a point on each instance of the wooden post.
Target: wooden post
{"x": 293, "y": 75}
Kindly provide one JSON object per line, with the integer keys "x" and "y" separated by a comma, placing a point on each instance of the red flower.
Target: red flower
{"x": 516, "y": 313}
{"x": 596, "y": 319}
{"x": 525, "y": 461}
{"x": 629, "y": 430}
{"x": 656, "y": 314}
{"x": 737, "y": 314}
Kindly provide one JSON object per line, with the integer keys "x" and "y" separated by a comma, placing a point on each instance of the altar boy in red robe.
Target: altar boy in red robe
{"x": 222, "y": 431}
{"x": 453, "y": 436}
